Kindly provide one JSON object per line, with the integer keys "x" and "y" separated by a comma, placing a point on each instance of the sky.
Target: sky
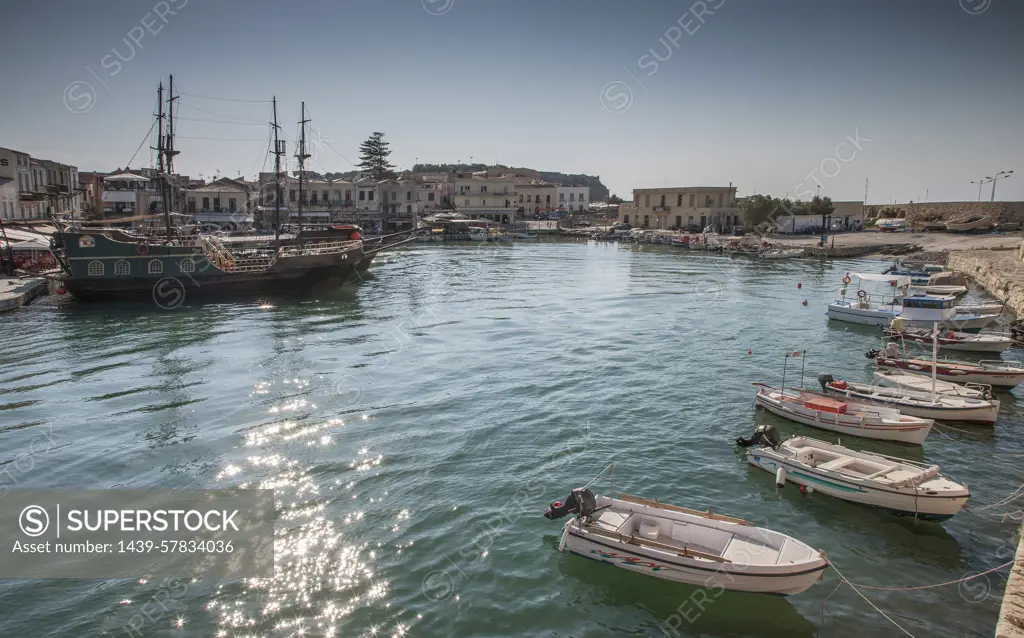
{"x": 918, "y": 97}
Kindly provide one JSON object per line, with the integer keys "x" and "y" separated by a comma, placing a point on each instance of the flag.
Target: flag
{"x": 795, "y": 354}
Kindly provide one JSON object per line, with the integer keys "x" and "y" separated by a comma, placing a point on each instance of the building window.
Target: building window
{"x": 156, "y": 267}
{"x": 408, "y": 196}
{"x": 691, "y": 199}
{"x": 216, "y": 204}
{"x": 483, "y": 202}
{"x": 122, "y": 267}
{"x": 430, "y": 197}
{"x": 206, "y": 203}
{"x": 483, "y": 189}
{"x": 348, "y": 196}
{"x": 187, "y": 265}
{"x": 371, "y": 195}
{"x": 95, "y": 268}
{"x": 362, "y": 196}
{"x": 561, "y": 197}
{"x": 467, "y": 202}
{"x": 679, "y": 199}
{"x": 647, "y": 219}
{"x": 232, "y": 204}
{"x": 647, "y": 203}
{"x": 572, "y": 197}
{"x": 528, "y": 199}
{"x": 719, "y": 200}
{"x": 408, "y": 210}
{"x": 547, "y": 199}
{"x": 662, "y": 200}
{"x": 625, "y": 219}
{"x": 291, "y": 194}
{"x": 679, "y": 221}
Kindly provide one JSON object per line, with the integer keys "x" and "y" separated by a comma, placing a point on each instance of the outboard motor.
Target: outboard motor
{"x": 872, "y": 354}
{"x": 581, "y": 501}
{"x": 824, "y": 379}
{"x": 765, "y": 434}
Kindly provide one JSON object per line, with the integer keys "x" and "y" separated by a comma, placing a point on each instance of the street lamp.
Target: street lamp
{"x": 979, "y": 183}
{"x": 998, "y": 176}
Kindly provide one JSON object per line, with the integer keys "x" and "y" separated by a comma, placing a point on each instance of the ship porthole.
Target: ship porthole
{"x": 156, "y": 267}
{"x": 122, "y": 267}
{"x": 96, "y": 269}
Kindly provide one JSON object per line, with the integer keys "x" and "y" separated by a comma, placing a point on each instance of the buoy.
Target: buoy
{"x": 780, "y": 477}
{"x": 810, "y": 490}
{"x": 804, "y": 302}
{"x": 799, "y": 284}
{"x": 750, "y": 352}
{"x": 803, "y": 489}
{"x": 61, "y": 290}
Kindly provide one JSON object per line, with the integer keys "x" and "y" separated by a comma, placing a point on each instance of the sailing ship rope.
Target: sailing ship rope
{"x": 1006, "y": 500}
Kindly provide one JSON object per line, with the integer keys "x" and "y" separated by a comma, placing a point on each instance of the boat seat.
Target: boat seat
{"x": 837, "y": 463}
{"x": 884, "y": 470}
{"x": 805, "y": 456}
{"x": 743, "y": 551}
{"x": 791, "y": 552}
{"x": 612, "y": 520}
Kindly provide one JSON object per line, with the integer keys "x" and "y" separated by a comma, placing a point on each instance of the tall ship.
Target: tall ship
{"x": 102, "y": 263}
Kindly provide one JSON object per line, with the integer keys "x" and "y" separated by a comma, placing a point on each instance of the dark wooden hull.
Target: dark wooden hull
{"x": 172, "y": 291}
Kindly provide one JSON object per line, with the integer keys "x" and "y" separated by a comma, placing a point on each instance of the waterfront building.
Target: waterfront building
{"x": 226, "y": 203}
{"x": 846, "y": 216}
{"x": 688, "y": 207}
{"x": 32, "y": 188}
{"x": 627, "y": 213}
{"x": 479, "y": 196}
{"x": 536, "y": 197}
{"x": 573, "y": 199}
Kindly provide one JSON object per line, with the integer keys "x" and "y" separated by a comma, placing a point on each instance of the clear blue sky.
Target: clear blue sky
{"x": 759, "y": 95}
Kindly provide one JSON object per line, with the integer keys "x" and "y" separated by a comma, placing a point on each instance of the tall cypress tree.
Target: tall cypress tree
{"x": 373, "y": 157}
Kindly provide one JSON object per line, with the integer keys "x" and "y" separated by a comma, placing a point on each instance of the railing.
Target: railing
{"x": 319, "y": 248}
{"x": 217, "y": 254}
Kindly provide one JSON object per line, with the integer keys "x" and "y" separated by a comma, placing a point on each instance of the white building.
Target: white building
{"x": 481, "y": 197}
{"x": 34, "y": 189}
{"x": 224, "y": 202}
{"x": 573, "y": 198}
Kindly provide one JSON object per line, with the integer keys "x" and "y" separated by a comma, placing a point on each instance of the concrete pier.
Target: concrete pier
{"x": 15, "y": 293}
{"x": 1011, "y": 614}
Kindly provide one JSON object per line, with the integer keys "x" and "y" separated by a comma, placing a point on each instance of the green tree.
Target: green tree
{"x": 373, "y": 157}
{"x": 614, "y": 199}
{"x": 820, "y": 206}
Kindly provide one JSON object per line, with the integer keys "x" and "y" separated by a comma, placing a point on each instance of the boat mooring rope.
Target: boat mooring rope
{"x": 951, "y": 582}
{"x": 868, "y": 601}
{"x": 1006, "y": 500}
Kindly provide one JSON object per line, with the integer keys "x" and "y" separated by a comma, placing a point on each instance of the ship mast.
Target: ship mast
{"x": 170, "y": 152}
{"x": 160, "y": 155}
{"x": 302, "y": 157}
{"x": 278, "y": 152}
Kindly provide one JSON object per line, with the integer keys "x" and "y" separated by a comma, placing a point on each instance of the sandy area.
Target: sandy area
{"x": 931, "y": 242}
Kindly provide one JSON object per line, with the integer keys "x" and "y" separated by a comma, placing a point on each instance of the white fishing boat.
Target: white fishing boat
{"x": 899, "y": 485}
{"x": 924, "y": 404}
{"x": 901, "y": 379}
{"x": 952, "y": 340}
{"x": 976, "y": 222}
{"x": 478, "y": 233}
{"x": 870, "y": 422}
{"x": 923, "y": 311}
{"x": 993, "y": 308}
{"x": 938, "y": 289}
{"x": 525, "y": 235}
{"x": 996, "y": 373}
{"x": 684, "y": 545}
{"x": 865, "y": 308}
{"x": 781, "y": 253}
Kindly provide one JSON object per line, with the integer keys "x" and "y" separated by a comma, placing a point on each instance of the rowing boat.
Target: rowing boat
{"x": 927, "y": 405}
{"x": 897, "y": 485}
{"x": 683, "y": 545}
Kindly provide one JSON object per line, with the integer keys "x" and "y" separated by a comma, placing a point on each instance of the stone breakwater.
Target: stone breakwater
{"x": 999, "y": 272}
{"x": 1011, "y": 614}
{"x": 999, "y": 212}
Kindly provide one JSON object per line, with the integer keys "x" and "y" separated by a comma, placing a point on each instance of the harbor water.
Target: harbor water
{"x": 416, "y": 424}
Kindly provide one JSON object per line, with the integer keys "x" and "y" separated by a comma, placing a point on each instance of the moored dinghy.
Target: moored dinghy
{"x": 901, "y": 379}
{"x": 926, "y": 405}
{"x": 898, "y": 485}
{"x": 996, "y": 373}
{"x": 870, "y": 422}
{"x": 686, "y": 546}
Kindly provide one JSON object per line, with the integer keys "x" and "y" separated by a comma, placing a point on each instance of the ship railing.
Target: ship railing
{"x": 217, "y": 254}
{"x": 319, "y": 248}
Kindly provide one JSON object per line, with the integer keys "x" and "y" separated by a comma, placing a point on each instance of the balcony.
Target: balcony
{"x": 119, "y": 196}
{"x": 662, "y": 209}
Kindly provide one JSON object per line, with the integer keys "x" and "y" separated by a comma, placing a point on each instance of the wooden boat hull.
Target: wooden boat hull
{"x": 982, "y": 411}
{"x": 920, "y": 383}
{"x": 963, "y": 342}
{"x": 905, "y": 430}
{"x": 957, "y": 373}
{"x": 901, "y": 501}
{"x": 753, "y": 559}
{"x": 978, "y": 224}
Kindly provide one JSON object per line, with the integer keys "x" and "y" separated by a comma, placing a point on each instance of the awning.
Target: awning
{"x": 901, "y": 280}
{"x": 33, "y": 244}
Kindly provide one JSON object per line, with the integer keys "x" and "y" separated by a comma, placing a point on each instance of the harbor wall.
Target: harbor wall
{"x": 1011, "y": 613}
{"x": 15, "y": 293}
{"x": 1000, "y": 272}
{"x": 999, "y": 212}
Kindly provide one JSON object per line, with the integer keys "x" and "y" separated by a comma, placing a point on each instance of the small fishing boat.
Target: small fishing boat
{"x": 975, "y": 222}
{"x": 844, "y": 417}
{"x": 781, "y": 253}
{"x": 685, "y": 545}
{"x": 901, "y": 486}
{"x": 952, "y": 340}
{"x": 931, "y": 226}
{"x": 993, "y": 308}
{"x": 901, "y": 379}
{"x": 923, "y": 310}
{"x": 478, "y": 233}
{"x": 927, "y": 405}
{"x": 996, "y": 373}
{"x": 867, "y": 309}
{"x": 938, "y": 289}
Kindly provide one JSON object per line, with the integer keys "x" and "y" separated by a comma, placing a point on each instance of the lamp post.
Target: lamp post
{"x": 998, "y": 176}
{"x": 980, "y": 182}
